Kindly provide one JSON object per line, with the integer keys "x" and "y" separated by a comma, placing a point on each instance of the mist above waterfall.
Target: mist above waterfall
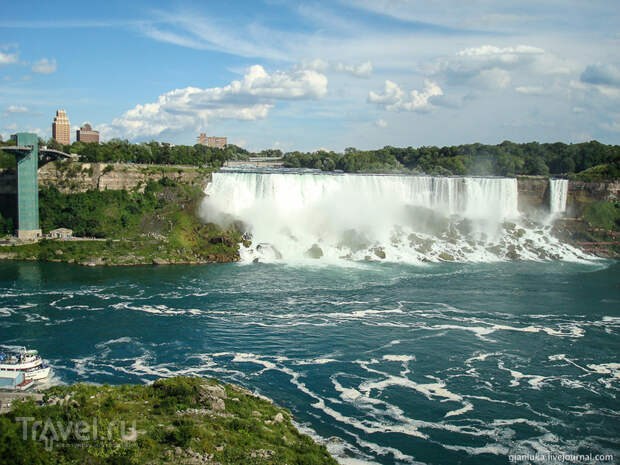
{"x": 333, "y": 217}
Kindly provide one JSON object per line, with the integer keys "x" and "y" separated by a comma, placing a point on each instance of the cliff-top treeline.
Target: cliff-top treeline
{"x": 588, "y": 161}
{"x": 592, "y": 161}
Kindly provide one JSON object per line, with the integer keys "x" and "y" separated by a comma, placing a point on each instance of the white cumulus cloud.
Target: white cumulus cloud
{"x": 363, "y": 70}
{"x": 16, "y": 109}
{"x": 8, "y": 58}
{"x": 191, "y": 108}
{"x": 493, "y": 67}
{"x": 393, "y": 98}
{"x": 530, "y": 90}
{"x": 44, "y": 66}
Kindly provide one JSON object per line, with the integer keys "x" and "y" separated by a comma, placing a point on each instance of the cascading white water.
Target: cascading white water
{"x": 558, "y": 193}
{"x": 295, "y": 217}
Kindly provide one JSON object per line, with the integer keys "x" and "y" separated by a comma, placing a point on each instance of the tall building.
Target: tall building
{"x": 212, "y": 141}
{"x": 87, "y": 134}
{"x": 61, "y": 128}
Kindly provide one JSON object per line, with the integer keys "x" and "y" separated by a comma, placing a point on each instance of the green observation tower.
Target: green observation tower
{"x": 27, "y": 153}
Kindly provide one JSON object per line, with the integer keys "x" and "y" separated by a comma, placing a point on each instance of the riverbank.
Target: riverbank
{"x": 148, "y": 251}
{"x": 182, "y": 420}
{"x": 158, "y": 225}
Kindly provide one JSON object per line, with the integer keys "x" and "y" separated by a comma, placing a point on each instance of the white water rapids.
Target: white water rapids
{"x": 334, "y": 217}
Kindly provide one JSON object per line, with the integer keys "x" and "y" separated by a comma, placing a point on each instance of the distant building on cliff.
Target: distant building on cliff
{"x": 212, "y": 141}
{"x": 61, "y": 128}
{"x": 86, "y": 134}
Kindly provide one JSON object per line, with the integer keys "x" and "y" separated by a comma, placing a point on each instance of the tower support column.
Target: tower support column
{"x": 28, "y": 188}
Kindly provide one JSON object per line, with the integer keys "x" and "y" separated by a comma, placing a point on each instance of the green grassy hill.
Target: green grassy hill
{"x": 177, "y": 421}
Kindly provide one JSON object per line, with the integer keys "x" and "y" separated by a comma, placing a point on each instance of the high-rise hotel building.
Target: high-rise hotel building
{"x": 61, "y": 128}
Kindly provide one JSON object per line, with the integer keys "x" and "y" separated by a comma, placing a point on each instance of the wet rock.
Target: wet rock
{"x": 354, "y": 240}
{"x": 494, "y": 249}
{"x": 314, "y": 252}
{"x": 446, "y": 257}
{"x": 379, "y": 252}
{"x": 269, "y": 250}
{"x": 160, "y": 261}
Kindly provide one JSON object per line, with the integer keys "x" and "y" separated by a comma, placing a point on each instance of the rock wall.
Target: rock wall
{"x": 80, "y": 177}
{"x": 534, "y": 194}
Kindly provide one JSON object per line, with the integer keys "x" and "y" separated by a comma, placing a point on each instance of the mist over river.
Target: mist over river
{"x": 438, "y": 363}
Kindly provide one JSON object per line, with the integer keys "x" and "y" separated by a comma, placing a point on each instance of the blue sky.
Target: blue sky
{"x": 310, "y": 75}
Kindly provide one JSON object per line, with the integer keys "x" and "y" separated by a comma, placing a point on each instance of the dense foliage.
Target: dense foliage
{"x": 603, "y": 215}
{"x": 592, "y": 161}
{"x": 241, "y": 430}
{"x": 505, "y": 159}
{"x": 159, "y": 224}
{"x": 118, "y": 151}
{"x": 6, "y": 225}
{"x": 122, "y": 151}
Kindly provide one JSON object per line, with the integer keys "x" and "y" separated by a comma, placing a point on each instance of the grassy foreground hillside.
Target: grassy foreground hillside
{"x": 159, "y": 225}
{"x": 177, "y": 421}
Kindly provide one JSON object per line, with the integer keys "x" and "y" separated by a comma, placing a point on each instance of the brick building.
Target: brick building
{"x": 87, "y": 134}
{"x": 212, "y": 141}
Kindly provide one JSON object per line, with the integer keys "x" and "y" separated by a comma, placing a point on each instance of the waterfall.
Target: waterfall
{"x": 336, "y": 217}
{"x": 558, "y": 192}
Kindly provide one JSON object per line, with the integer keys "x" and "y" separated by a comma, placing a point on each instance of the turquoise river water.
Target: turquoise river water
{"x": 386, "y": 363}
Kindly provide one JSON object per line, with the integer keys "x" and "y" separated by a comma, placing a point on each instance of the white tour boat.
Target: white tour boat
{"x": 28, "y": 362}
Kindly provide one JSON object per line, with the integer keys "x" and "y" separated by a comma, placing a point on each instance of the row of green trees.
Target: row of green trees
{"x": 122, "y": 151}
{"x": 597, "y": 161}
{"x": 505, "y": 159}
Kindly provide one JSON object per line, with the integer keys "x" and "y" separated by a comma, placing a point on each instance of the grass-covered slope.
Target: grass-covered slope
{"x": 178, "y": 421}
{"x": 159, "y": 225}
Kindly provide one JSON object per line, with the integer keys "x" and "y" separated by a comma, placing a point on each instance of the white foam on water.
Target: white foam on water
{"x": 154, "y": 309}
{"x": 399, "y": 358}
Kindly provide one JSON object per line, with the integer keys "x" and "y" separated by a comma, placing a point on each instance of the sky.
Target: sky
{"x": 304, "y": 75}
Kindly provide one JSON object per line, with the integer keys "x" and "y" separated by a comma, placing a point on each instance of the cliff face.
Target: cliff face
{"x": 79, "y": 177}
{"x": 534, "y": 194}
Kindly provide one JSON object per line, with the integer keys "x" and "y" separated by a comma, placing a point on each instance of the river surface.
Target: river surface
{"x": 387, "y": 363}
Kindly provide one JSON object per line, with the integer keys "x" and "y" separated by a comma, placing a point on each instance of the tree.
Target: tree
{"x": 53, "y": 144}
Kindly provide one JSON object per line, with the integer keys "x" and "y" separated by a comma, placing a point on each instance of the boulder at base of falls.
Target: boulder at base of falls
{"x": 314, "y": 252}
{"x": 379, "y": 252}
{"x": 269, "y": 251}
